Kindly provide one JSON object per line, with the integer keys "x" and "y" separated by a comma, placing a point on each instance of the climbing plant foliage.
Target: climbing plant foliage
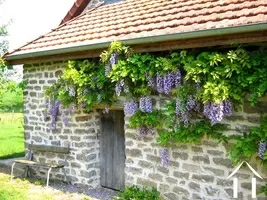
{"x": 196, "y": 90}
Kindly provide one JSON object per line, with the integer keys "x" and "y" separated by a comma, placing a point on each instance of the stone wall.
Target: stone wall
{"x": 195, "y": 172}
{"x": 81, "y": 133}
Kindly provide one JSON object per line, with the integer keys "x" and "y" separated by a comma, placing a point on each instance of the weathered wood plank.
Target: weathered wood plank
{"x": 37, "y": 164}
{"x": 47, "y": 148}
{"x": 110, "y": 150}
{"x": 102, "y": 150}
{"x": 106, "y": 154}
{"x": 119, "y": 151}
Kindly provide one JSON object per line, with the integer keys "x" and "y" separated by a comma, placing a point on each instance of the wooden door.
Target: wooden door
{"x": 112, "y": 150}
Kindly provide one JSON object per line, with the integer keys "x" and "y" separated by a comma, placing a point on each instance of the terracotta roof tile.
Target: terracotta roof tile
{"x": 143, "y": 18}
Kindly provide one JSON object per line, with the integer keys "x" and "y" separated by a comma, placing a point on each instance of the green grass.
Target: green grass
{"x": 11, "y": 192}
{"x": 18, "y": 189}
{"x": 11, "y": 135}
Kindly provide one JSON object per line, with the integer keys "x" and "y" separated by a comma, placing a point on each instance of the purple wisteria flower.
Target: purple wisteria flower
{"x": 113, "y": 59}
{"x": 213, "y": 111}
{"x": 151, "y": 131}
{"x": 216, "y": 112}
{"x": 151, "y": 81}
{"x": 66, "y": 121}
{"x": 145, "y": 104}
{"x": 262, "y": 147}
{"x": 177, "y": 78}
{"x": 198, "y": 86}
{"x": 168, "y": 82}
{"x": 44, "y": 112}
{"x": 69, "y": 110}
{"x": 178, "y": 107}
{"x": 107, "y": 69}
{"x": 54, "y": 111}
{"x": 227, "y": 108}
{"x": 130, "y": 107}
{"x": 182, "y": 112}
{"x": 142, "y": 132}
{"x": 191, "y": 103}
{"x": 160, "y": 83}
{"x": 165, "y": 157}
{"x": 118, "y": 88}
{"x": 121, "y": 85}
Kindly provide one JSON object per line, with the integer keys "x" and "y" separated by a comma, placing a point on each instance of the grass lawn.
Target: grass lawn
{"x": 11, "y": 135}
{"x": 18, "y": 189}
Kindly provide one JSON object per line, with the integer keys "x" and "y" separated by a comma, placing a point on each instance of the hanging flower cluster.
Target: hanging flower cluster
{"x": 165, "y": 157}
{"x": 167, "y": 82}
{"x": 216, "y": 112}
{"x": 45, "y": 111}
{"x": 262, "y": 148}
{"x": 145, "y": 104}
{"x": 54, "y": 111}
{"x": 67, "y": 115}
{"x": 130, "y": 107}
{"x": 121, "y": 86}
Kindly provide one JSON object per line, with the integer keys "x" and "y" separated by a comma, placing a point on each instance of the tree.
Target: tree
{"x": 3, "y": 41}
{"x": 11, "y": 97}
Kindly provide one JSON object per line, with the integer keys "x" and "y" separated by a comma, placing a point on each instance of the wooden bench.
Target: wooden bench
{"x": 28, "y": 162}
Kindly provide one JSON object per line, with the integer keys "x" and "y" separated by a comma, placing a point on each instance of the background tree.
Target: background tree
{"x": 3, "y": 40}
{"x": 11, "y": 97}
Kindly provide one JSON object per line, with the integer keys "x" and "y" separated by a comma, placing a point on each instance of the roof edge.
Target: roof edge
{"x": 76, "y": 9}
{"x": 259, "y": 27}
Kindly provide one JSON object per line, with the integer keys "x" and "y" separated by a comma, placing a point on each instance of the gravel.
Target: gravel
{"x": 100, "y": 193}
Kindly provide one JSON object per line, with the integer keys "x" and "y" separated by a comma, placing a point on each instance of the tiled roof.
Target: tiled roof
{"x": 130, "y": 19}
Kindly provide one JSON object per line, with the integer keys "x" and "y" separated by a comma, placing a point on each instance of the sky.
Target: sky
{"x": 32, "y": 18}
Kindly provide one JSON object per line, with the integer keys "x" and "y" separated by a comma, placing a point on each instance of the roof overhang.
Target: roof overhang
{"x": 254, "y": 33}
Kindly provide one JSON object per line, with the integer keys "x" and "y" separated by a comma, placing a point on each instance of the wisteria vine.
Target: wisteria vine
{"x": 197, "y": 89}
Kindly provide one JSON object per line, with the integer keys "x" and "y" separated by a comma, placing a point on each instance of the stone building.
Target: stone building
{"x": 196, "y": 171}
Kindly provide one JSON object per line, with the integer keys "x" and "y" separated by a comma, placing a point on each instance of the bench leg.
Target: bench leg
{"x": 66, "y": 179}
{"x": 48, "y": 175}
{"x": 12, "y": 171}
{"x": 26, "y": 172}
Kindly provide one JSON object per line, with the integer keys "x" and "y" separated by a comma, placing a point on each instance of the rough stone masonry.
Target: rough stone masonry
{"x": 196, "y": 171}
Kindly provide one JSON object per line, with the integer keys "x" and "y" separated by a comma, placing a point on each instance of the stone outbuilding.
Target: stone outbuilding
{"x": 195, "y": 171}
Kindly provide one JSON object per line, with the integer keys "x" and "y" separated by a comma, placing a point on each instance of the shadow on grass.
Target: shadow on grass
{"x": 14, "y": 155}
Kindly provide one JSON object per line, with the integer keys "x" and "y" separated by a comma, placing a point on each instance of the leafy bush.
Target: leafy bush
{"x": 136, "y": 193}
{"x": 11, "y": 96}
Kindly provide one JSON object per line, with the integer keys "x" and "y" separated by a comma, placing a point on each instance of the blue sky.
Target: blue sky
{"x": 32, "y": 18}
